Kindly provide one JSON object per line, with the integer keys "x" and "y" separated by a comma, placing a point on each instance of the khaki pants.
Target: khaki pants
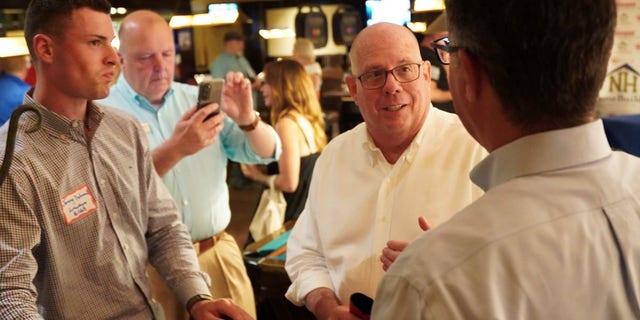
{"x": 229, "y": 279}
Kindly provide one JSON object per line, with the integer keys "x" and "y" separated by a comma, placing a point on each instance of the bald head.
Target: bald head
{"x": 379, "y": 39}
{"x": 147, "y": 54}
{"x": 138, "y": 23}
{"x": 394, "y": 109}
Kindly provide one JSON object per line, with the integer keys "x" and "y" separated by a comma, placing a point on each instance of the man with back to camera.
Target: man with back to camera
{"x": 555, "y": 235}
{"x": 83, "y": 211}
{"x": 371, "y": 185}
{"x": 189, "y": 153}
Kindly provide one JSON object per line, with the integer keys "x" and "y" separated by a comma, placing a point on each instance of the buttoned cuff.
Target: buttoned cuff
{"x": 199, "y": 283}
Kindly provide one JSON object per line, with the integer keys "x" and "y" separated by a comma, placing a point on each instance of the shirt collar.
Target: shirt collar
{"x": 63, "y": 127}
{"x": 123, "y": 86}
{"x": 375, "y": 154}
{"x": 542, "y": 152}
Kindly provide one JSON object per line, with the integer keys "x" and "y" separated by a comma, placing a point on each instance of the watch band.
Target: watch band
{"x": 251, "y": 126}
{"x": 196, "y": 298}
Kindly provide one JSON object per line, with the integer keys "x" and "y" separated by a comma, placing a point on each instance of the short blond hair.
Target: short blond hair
{"x": 303, "y": 47}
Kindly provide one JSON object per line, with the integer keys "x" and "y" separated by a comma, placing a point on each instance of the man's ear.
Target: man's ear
{"x": 426, "y": 70}
{"x": 471, "y": 71}
{"x": 43, "y": 48}
{"x": 120, "y": 58}
{"x": 350, "y": 81}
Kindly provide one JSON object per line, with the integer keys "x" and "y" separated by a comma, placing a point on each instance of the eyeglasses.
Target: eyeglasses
{"x": 378, "y": 78}
{"x": 444, "y": 49}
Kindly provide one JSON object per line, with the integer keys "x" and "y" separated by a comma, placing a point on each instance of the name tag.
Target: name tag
{"x": 77, "y": 204}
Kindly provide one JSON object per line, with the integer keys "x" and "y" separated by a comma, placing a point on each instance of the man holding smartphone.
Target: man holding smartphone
{"x": 189, "y": 153}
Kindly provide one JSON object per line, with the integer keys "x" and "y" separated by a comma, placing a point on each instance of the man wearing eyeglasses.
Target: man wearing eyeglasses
{"x": 371, "y": 185}
{"x": 555, "y": 236}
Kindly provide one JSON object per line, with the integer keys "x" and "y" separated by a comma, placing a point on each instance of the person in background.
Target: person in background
{"x": 332, "y": 90}
{"x": 12, "y": 84}
{"x": 372, "y": 185}
{"x": 303, "y": 53}
{"x": 297, "y": 117}
{"x": 189, "y": 152}
{"x": 555, "y": 235}
{"x": 232, "y": 59}
{"x": 440, "y": 94}
{"x": 83, "y": 210}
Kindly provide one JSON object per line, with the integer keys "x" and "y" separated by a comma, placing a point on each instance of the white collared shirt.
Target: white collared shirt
{"x": 358, "y": 201}
{"x": 555, "y": 236}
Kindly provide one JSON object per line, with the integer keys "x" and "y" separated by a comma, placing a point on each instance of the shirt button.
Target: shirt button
{"x": 75, "y": 124}
{"x": 185, "y": 202}
{"x": 103, "y": 182}
{"x": 125, "y": 247}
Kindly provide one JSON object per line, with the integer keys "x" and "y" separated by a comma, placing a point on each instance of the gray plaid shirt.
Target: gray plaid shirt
{"x": 81, "y": 218}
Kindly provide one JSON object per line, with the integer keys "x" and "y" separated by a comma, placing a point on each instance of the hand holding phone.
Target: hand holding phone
{"x": 210, "y": 91}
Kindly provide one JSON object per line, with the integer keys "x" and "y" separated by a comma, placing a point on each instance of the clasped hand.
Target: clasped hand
{"x": 394, "y": 247}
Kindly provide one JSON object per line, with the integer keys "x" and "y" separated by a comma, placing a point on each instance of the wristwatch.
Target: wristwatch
{"x": 197, "y": 298}
{"x": 251, "y": 126}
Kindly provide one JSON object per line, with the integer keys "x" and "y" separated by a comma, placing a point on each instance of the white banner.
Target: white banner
{"x": 620, "y": 93}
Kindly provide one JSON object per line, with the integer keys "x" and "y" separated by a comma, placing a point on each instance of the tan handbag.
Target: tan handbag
{"x": 269, "y": 215}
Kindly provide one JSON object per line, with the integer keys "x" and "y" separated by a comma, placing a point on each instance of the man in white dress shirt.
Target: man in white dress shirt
{"x": 371, "y": 184}
{"x": 555, "y": 236}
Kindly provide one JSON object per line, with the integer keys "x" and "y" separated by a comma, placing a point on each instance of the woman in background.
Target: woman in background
{"x": 297, "y": 117}
{"x": 303, "y": 53}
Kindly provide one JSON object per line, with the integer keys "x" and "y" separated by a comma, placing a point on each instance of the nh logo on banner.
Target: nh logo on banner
{"x": 623, "y": 80}
{"x": 620, "y": 93}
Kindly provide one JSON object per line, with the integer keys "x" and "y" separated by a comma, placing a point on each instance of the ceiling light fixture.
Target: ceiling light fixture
{"x": 428, "y": 5}
{"x": 417, "y": 27}
{"x": 219, "y": 14}
{"x": 276, "y": 33}
{"x": 13, "y": 46}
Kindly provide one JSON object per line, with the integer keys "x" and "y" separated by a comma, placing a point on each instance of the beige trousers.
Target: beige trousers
{"x": 229, "y": 279}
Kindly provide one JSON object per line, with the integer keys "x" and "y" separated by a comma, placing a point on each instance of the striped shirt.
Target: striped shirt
{"x": 81, "y": 218}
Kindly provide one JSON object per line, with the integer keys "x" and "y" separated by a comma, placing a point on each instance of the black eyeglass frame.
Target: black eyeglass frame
{"x": 444, "y": 48}
{"x": 386, "y": 75}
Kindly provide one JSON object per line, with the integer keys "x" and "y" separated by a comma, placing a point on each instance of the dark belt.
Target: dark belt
{"x": 208, "y": 243}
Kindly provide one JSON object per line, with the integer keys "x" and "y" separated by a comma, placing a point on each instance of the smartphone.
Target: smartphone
{"x": 360, "y": 305}
{"x": 210, "y": 91}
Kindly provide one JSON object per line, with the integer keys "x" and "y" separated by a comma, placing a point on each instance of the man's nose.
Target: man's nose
{"x": 391, "y": 84}
{"x": 158, "y": 62}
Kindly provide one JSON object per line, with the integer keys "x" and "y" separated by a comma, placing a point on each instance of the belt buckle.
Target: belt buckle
{"x": 204, "y": 245}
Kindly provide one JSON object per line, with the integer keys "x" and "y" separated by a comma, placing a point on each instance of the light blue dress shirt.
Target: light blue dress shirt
{"x": 197, "y": 182}
{"x": 227, "y": 62}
